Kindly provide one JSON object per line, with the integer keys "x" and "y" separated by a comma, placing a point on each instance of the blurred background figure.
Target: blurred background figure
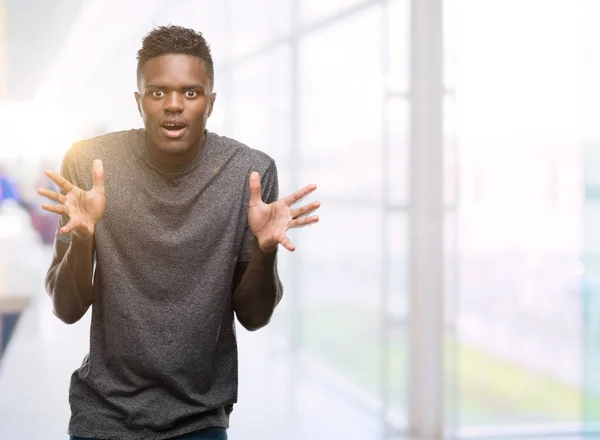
{"x": 452, "y": 288}
{"x": 8, "y": 187}
{"x": 43, "y": 222}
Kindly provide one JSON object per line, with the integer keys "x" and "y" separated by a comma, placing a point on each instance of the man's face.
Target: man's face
{"x": 175, "y": 100}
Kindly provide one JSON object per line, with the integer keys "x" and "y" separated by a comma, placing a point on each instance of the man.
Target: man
{"x": 183, "y": 226}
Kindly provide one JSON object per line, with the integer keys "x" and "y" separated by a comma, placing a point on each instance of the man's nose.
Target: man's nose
{"x": 174, "y": 102}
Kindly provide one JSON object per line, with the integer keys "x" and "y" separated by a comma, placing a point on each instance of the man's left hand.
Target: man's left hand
{"x": 270, "y": 222}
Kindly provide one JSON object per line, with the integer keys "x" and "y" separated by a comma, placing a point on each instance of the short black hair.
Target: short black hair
{"x": 167, "y": 40}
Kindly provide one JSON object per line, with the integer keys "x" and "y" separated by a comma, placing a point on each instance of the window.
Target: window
{"x": 520, "y": 236}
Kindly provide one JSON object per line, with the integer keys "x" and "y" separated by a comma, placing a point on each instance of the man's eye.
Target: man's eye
{"x": 191, "y": 94}
{"x": 157, "y": 93}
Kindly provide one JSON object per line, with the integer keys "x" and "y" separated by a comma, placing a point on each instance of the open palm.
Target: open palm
{"x": 83, "y": 208}
{"x": 270, "y": 222}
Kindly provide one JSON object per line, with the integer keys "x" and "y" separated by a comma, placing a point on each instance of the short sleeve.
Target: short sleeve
{"x": 269, "y": 186}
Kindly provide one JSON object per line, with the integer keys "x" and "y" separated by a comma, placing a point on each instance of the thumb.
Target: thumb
{"x": 98, "y": 171}
{"x": 255, "y": 195}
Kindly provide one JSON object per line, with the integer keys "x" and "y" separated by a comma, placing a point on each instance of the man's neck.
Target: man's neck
{"x": 175, "y": 161}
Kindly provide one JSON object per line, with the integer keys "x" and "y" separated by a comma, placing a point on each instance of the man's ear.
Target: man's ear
{"x": 138, "y": 102}
{"x": 213, "y": 97}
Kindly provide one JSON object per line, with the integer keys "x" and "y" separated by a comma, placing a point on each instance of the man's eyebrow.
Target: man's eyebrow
{"x": 186, "y": 87}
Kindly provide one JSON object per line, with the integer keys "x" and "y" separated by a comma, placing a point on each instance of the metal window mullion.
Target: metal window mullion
{"x": 295, "y": 297}
{"x": 385, "y": 293}
{"x": 296, "y": 161}
{"x": 426, "y": 248}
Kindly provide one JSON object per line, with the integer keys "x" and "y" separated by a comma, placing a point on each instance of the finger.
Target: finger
{"x": 98, "y": 176}
{"x": 68, "y": 227}
{"x": 255, "y": 196}
{"x": 304, "y": 210}
{"x": 285, "y": 242}
{"x": 57, "y": 209}
{"x": 52, "y": 195}
{"x": 60, "y": 180}
{"x": 303, "y": 221}
{"x": 298, "y": 195}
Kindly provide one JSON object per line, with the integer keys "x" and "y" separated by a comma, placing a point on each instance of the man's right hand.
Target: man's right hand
{"x": 84, "y": 209}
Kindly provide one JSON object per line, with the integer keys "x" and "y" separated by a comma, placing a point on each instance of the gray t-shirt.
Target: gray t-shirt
{"x": 163, "y": 352}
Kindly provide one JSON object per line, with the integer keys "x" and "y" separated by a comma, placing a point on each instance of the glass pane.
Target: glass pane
{"x": 590, "y": 294}
{"x": 451, "y": 341}
{"x": 260, "y": 101}
{"x": 398, "y": 132}
{"x": 340, "y": 107}
{"x": 395, "y": 342}
{"x": 193, "y": 14}
{"x": 396, "y": 240}
{"x": 520, "y": 235}
{"x": 254, "y": 23}
{"x": 591, "y": 69}
{"x": 314, "y": 10}
{"x": 397, "y": 373}
{"x": 397, "y": 16}
{"x": 589, "y": 285}
{"x": 451, "y": 146}
{"x": 341, "y": 299}
{"x": 451, "y": 38}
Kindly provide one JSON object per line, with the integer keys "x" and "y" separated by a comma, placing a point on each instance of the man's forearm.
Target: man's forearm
{"x": 259, "y": 291}
{"x": 69, "y": 279}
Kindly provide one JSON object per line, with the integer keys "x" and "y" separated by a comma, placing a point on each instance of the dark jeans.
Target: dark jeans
{"x": 210, "y": 435}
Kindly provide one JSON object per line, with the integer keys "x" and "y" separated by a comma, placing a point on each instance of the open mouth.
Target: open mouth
{"x": 173, "y": 129}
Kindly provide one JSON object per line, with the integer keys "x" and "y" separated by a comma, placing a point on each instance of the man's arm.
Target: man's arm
{"x": 257, "y": 289}
{"x": 256, "y": 285}
{"x": 69, "y": 279}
